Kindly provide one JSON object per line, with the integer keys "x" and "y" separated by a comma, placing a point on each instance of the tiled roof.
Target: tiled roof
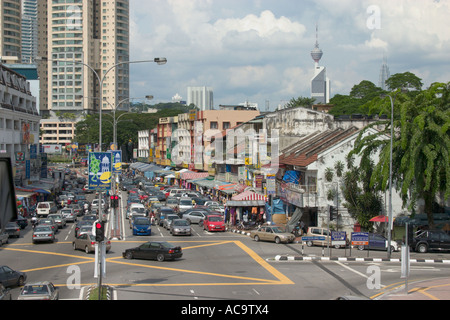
{"x": 306, "y": 151}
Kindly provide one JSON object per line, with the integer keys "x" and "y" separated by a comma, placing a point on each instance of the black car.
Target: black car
{"x": 431, "y": 240}
{"x": 22, "y": 222}
{"x": 10, "y": 277}
{"x": 159, "y": 250}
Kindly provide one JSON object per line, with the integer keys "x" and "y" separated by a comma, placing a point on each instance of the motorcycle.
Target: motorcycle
{"x": 34, "y": 222}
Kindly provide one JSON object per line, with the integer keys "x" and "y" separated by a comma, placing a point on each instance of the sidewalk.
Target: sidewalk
{"x": 435, "y": 289}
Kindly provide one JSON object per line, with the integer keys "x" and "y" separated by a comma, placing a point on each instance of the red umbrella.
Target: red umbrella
{"x": 379, "y": 219}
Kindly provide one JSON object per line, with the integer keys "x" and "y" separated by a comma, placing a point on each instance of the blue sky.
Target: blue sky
{"x": 259, "y": 50}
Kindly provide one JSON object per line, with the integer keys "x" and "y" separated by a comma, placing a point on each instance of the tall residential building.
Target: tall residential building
{"x": 10, "y": 35}
{"x": 384, "y": 74}
{"x": 94, "y": 33}
{"x": 29, "y": 31}
{"x": 320, "y": 84}
{"x": 201, "y": 97}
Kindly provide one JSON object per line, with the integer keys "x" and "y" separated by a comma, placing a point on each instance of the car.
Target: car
{"x": 141, "y": 226}
{"x": 137, "y": 209}
{"x": 216, "y": 208}
{"x": 44, "y": 290}
{"x": 172, "y": 202}
{"x": 180, "y": 227}
{"x": 10, "y": 277}
{"x": 49, "y": 222}
{"x": 318, "y": 232}
{"x": 168, "y": 220}
{"x": 59, "y": 219}
{"x": 214, "y": 223}
{"x": 211, "y": 203}
{"x": 69, "y": 214}
{"x": 45, "y": 208}
{"x": 4, "y": 238}
{"x": 184, "y": 204}
{"x": 379, "y": 242}
{"x": 5, "y": 294}
{"x": 86, "y": 241}
{"x": 43, "y": 233}
{"x": 272, "y": 233}
{"x": 431, "y": 240}
{"x": 195, "y": 216}
{"x": 22, "y": 222}
{"x": 82, "y": 223}
{"x": 159, "y": 250}
{"x": 95, "y": 202}
{"x": 161, "y": 214}
{"x": 76, "y": 208}
{"x": 12, "y": 229}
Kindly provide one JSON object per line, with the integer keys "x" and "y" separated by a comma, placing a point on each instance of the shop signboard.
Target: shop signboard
{"x": 270, "y": 184}
{"x": 99, "y": 168}
{"x": 338, "y": 238}
{"x": 360, "y": 238}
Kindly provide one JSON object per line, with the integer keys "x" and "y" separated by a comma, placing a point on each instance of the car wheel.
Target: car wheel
{"x": 360, "y": 248}
{"x": 160, "y": 257}
{"x": 309, "y": 243}
{"x": 129, "y": 255}
{"x": 74, "y": 246}
{"x": 256, "y": 238}
{"x": 422, "y": 248}
{"x": 21, "y": 281}
{"x": 277, "y": 240}
{"x": 86, "y": 249}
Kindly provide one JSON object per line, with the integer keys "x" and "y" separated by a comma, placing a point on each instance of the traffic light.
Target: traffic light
{"x": 333, "y": 213}
{"x": 116, "y": 201}
{"x": 99, "y": 231}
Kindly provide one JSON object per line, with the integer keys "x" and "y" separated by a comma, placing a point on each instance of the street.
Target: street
{"x": 214, "y": 266}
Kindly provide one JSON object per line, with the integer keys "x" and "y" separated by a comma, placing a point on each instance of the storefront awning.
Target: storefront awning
{"x": 249, "y": 195}
{"x": 194, "y": 175}
{"x": 246, "y": 203}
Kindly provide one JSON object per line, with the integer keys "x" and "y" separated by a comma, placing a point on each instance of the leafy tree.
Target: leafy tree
{"x": 365, "y": 91}
{"x": 406, "y": 80}
{"x": 300, "y": 102}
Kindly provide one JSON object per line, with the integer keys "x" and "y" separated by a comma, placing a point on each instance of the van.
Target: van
{"x": 318, "y": 232}
{"x": 137, "y": 209}
{"x": 43, "y": 209}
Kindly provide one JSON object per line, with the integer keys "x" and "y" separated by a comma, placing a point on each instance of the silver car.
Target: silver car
{"x": 59, "y": 220}
{"x": 44, "y": 290}
{"x": 12, "y": 229}
{"x": 43, "y": 233}
{"x": 195, "y": 216}
{"x": 168, "y": 220}
{"x": 69, "y": 214}
{"x": 180, "y": 227}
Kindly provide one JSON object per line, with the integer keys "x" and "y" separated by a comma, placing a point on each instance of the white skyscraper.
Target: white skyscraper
{"x": 320, "y": 84}
{"x": 29, "y": 31}
{"x": 384, "y": 74}
{"x": 201, "y": 97}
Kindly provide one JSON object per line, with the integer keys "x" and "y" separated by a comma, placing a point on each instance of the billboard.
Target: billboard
{"x": 100, "y": 170}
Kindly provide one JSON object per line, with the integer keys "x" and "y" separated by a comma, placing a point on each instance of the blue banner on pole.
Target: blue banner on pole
{"x": 99, "y": 168}
{"x": 116, "y": 161}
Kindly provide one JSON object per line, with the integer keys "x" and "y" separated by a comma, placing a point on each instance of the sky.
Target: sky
{"x": 260, "y": 50}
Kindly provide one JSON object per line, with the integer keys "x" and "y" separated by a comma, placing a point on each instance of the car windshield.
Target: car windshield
{"x": 171, "y": 217}
{"x": 166, "y": 211}
{"x": 186, "y": 202}
{"x": 180, "y": 223}
{"x": 172, "y": 201}
{"x": 142, "y": 222}
{"x": 215, "y": 219}
{"x": 43, "y": 206}
{"x": 277, "y": 230}
{"x": 139, "y": 210}
{"x": 35, "y": 289}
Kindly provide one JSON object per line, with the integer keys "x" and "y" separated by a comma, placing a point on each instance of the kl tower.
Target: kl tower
{"x": 320, "y": 84}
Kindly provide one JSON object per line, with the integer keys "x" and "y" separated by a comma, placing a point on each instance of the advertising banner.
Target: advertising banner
{"x": 99, "y": 168}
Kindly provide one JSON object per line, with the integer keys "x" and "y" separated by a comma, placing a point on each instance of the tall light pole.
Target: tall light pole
{"x": 390, "y": 224}
{"x": 159, "y": 61}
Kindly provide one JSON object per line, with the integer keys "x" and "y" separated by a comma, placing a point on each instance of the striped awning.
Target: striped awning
{"x": 249, "y": 195}
{"x": 194, "y": 175}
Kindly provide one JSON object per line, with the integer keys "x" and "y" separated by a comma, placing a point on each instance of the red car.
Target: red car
{"x": 214, "y": 223}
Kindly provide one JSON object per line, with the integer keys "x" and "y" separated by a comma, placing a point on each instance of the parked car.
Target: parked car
{"x": 161, "y": 215}
{"x": 69, "y": 214}
{"x": 86, "y": 241}
{"x": 43, "y": 233}
{"x": 22, "y": 222}
{"x": 10, "y": 277}
{"x": 5, "y": 294}
{"x": 184, "y": 204}
{"x": 59, "y": 219}
{"x": 180, "y": 227}
{"x": 168, "y": 220}
{"x": 431, "y": 240}
{"x": 45, "y": 208}
{"x": 43, "y": 290}
{"x": 141, "y": 226}
{"x": 49, "y": 222}
{"x": 159, "y": 250}
{"x": 214, "y": 223}
{"x": 195, "y": 216}
{"x": 272, "y": 233}
{"x": 4, "y": 238}
{"x": 12, "y": 229}
{"x": 379, "y": 242}
{"x": 317, "y": 232}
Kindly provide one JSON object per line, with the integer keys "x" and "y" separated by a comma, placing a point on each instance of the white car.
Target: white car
{"x": 43, "y": 209}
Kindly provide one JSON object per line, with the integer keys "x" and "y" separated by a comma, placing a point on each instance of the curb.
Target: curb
{"x": 246, "y": 233}
{"x": 350, "y": 259}
{"x": 87, "y": 292}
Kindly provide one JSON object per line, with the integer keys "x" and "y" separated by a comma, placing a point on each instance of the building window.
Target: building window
{"x": 226, "y": 125}
{"x": 214, "y": 125}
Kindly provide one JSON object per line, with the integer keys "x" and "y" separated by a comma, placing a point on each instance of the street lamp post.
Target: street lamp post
{"x": 159, "y": 61}
{"x": 390, "y": 224}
